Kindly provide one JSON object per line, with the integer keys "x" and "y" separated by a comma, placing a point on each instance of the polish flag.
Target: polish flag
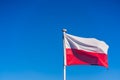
{"x": 85, "y": 51}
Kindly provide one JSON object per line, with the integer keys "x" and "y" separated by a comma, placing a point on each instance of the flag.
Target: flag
{"x": 85, "y": 51}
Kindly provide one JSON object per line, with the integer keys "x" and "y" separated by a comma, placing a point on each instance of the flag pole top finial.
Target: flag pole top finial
{"x": 64, "y": 30}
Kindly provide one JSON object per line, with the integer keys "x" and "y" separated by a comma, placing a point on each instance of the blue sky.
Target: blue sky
{"x": 31, "y": 37}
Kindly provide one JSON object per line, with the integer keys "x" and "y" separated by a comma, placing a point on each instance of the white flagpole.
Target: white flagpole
{"x": 64, "y": 30}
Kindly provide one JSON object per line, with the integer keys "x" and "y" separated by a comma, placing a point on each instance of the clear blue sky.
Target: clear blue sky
{"x": 31, "y": 37}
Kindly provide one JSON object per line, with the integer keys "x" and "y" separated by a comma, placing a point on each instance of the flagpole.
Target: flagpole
{"x": 64, "y": 31}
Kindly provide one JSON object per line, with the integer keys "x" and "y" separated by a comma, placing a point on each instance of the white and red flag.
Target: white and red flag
{"x": 85, "y": 51}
